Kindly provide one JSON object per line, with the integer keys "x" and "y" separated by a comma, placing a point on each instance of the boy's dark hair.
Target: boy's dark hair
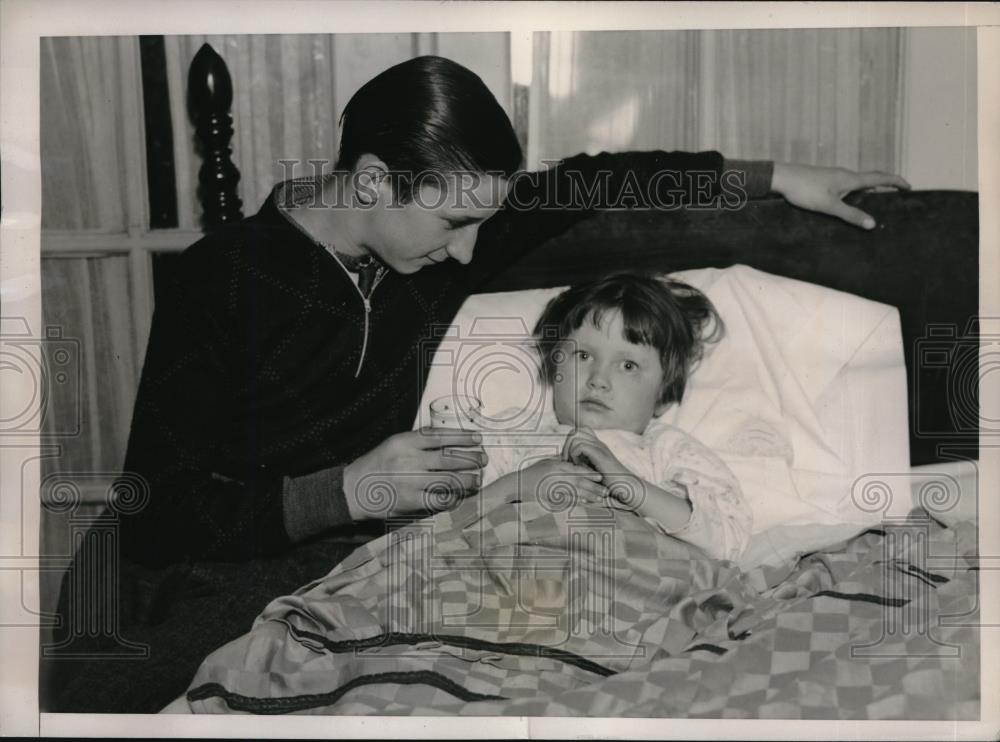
{"x": 676, "y": 319}
{"x": 428, "y": 114}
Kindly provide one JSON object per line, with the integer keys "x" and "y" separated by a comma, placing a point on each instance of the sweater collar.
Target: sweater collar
{"x": 295, "y": 192}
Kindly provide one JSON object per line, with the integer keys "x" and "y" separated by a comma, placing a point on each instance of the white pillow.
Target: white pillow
{"x": 803, "y": 397}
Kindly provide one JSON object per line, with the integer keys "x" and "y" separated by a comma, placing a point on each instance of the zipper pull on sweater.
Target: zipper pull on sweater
{"x": 364, "y": 343}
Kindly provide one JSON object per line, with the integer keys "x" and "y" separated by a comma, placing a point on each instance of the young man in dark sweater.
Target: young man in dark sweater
{"x": 284, "y": 364}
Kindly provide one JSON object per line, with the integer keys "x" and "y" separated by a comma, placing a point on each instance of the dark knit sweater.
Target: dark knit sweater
{"x": 248, "y": 407}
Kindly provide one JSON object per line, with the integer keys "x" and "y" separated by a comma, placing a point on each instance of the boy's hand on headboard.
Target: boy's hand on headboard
{"x": 822, "y": 189}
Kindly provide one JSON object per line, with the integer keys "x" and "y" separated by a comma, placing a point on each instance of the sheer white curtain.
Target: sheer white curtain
{"x": 89, "y": 300}
{"x": 87, "y": 172}
{"x": 816, "y": 96}
{"x": 289, "y": 91}
{"x": 614, "y": 90}
{"x": 823, "y": 96}
{"x": 84, "y": 163}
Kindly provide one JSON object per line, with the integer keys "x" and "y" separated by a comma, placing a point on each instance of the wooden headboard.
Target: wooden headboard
{"x": 923, "y": 258}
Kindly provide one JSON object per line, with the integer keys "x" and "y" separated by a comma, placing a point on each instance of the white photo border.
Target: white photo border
{"x": 22, "y": 23}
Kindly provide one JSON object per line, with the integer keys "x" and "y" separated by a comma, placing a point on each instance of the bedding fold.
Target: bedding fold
{"x": 601, "y": 614}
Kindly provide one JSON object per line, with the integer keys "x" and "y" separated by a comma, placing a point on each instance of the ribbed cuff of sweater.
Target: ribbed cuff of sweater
{"x": 758, "y": 175}
{"x": 314, "y": 502}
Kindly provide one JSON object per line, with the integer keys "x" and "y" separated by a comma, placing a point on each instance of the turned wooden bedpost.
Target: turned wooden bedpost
{"x": 210, "y": 95}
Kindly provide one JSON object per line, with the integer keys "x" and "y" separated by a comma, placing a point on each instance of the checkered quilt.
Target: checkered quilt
{"x": 587, "y": 611}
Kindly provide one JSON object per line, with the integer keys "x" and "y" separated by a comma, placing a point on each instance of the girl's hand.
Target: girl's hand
{"x": 822, "y": 189}
{"x": 558, "y": 484}
{"x": 584, "y": 448}
{"x": 625, "y": 490}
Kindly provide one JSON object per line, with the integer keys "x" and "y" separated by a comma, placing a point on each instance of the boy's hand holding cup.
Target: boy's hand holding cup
{"x": 454, "y": 413}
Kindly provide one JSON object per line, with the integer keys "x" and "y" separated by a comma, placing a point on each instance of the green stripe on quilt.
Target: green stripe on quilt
{"x": 291, "y": 704}
{"x": 395, "y": 638}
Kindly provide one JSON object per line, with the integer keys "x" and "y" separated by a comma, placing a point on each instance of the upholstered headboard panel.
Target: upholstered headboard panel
{"x": 923, "y": 258}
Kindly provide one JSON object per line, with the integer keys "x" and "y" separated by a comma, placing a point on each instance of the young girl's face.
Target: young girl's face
{"x": 604, "y": 381}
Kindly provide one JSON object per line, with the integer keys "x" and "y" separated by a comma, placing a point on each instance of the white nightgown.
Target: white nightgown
{"x": 720, "y": 519}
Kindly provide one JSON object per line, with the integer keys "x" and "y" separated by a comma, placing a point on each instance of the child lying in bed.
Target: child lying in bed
{"x": 616, "y": 354}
